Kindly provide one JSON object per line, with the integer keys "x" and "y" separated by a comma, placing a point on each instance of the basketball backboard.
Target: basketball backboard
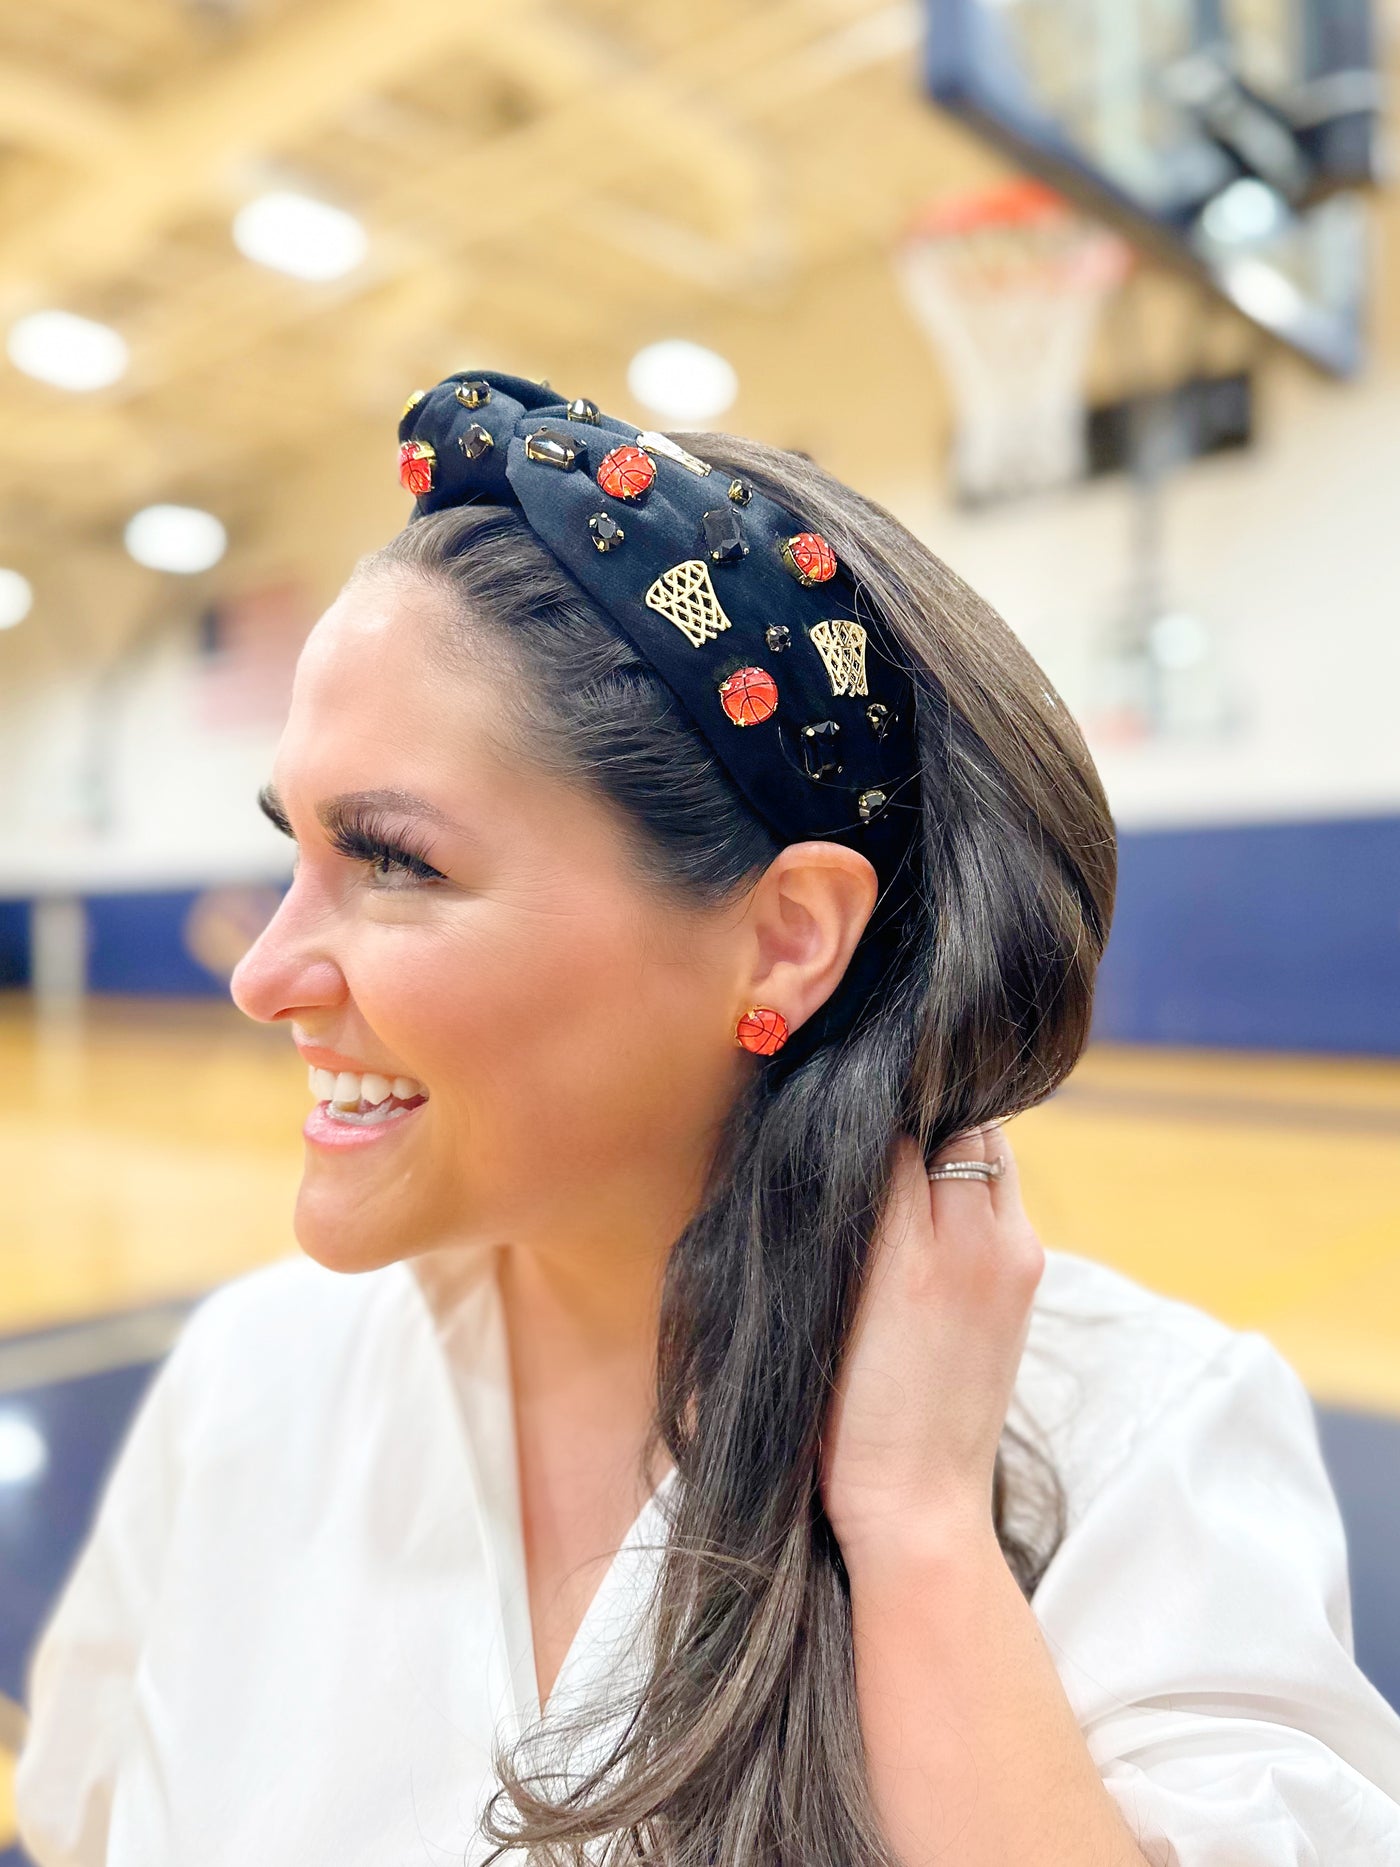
{"x": 1226, "y": 137}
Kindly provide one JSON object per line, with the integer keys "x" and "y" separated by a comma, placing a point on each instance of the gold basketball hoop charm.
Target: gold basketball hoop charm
{"x": 841, "y": 646}
{"x": 685, "y": 596}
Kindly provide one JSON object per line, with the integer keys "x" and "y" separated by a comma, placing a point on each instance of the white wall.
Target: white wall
{"x": 113, "y": 780}
{"x": 1291, "y": 552}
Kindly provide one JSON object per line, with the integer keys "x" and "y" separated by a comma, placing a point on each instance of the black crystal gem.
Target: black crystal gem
{"x": 476, "y": 441}
{"x": 555, "y": 447}
{"x": 724, "y": 536}
{"x": 870, "y": 804}
{"x": 581, "y": 409}
{"x": 473, "y": 394}
{"x": 819, "y": 745}
{"x": 880, "y": 718}
{"x": 778, "y": 637}
{"x": 740, "y": 492}
{"x": 605, "y": 530}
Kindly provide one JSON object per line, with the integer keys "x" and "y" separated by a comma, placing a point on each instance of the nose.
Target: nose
{"x": 288, "y": 968}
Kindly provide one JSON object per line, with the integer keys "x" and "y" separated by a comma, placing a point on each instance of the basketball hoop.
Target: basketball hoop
{"x": 1008, "y": 284}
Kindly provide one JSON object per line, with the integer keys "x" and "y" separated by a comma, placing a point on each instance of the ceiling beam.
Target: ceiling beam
{"x": 284, "y": 83}
{"x": 57, "y": 120}
{"x": 300, "y": 75}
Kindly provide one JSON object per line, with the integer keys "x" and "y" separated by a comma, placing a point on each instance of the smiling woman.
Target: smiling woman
{"x": 683, "y": 876}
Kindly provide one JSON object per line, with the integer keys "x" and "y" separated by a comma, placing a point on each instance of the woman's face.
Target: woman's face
{"x": 570, "y": 1031}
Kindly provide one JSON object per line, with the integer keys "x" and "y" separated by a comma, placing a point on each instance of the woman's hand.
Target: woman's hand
{"x": 911, "y": 1438}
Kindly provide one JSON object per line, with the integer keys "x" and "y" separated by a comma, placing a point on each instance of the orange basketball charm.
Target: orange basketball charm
{"x": 416, "y": 460}
{"x": 749, "y": 696}
{"x": 761, "y": 1030}
{"x": 809, "y": 557}
{"x": 626, "y": 472}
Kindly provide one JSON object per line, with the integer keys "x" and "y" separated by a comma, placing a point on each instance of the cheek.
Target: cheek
{"x": 571, "y": 1031}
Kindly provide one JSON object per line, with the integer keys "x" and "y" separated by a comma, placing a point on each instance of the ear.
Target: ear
{"x": 804, "y": 918}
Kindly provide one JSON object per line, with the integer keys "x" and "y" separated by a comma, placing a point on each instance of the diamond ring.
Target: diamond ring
{"x": 969, "y": 1169}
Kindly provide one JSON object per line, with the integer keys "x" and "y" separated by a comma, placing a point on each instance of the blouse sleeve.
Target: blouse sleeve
{"x": 82, "y": 1675}
{"x": 1200, "y": 1619}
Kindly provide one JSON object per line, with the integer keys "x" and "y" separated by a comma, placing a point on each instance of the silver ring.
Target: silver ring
{"x": 969, "y": 1169}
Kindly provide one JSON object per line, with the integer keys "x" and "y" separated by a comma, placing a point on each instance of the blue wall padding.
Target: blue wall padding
{"x": 1362, "y": 1451}
{"x": 1277, "y": 936}
{"x": 14, "y": 943}
{"x": 136, "y": 943}
{"x": 1282, "y": 936}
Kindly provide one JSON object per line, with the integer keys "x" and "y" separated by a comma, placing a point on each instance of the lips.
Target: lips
{"x": 336, "y": 1128}
{"x": 355, "y": 1105}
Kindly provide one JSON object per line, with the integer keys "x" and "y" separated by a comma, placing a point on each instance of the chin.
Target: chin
{"x": 343, "y": 1236}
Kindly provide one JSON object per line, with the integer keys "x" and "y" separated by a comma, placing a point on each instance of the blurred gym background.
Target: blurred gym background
{"x": 1098, "y": 296}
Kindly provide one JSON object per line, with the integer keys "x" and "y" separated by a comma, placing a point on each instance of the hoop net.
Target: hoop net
{"x": 1008, "y": 284}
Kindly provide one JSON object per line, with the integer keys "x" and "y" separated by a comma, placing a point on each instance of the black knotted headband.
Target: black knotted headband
{"x": 745, "y": 614}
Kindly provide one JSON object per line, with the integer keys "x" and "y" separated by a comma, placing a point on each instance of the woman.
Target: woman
{"x": 691, "y": 874}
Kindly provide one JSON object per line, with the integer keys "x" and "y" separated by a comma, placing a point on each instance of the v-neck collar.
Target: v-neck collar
{"x": 457, "y": 1297}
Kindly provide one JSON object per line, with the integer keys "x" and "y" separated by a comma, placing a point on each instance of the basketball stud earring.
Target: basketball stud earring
{"x": 761, "y": 1030}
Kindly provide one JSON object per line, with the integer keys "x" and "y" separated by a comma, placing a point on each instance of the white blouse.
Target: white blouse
{"x": 300, "y": 1622}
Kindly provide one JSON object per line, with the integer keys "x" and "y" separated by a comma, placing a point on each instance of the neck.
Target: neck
{"x": 568, "y": 1317}
{"x": 581, "y": 1317}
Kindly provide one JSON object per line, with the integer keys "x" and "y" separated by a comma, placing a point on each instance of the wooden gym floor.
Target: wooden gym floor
{"x": 151, "y": 1149}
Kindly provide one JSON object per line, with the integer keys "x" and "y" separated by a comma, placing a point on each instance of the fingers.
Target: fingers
{"x": 963, "y": 1240}
{"x": 988, "y": 1143}
{"x": 989, "y": 1215}
{"x": 972, "y": 1144}
{"x": 999, "y": 1200}
{"x": 961, "y": 1198}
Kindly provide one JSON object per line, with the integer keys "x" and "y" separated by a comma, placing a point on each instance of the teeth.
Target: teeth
{"x": 348, "y": 1088}
{"x": 368, "y": 1118}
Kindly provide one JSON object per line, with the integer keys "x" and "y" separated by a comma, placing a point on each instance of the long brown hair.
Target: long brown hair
{"x": 742, "y": 1746}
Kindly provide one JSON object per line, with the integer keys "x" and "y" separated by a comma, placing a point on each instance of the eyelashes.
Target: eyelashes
{"x": 360, "y": 835}
{"x": 362, "y": 840}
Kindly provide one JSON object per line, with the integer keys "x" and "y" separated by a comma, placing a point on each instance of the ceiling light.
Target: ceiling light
{"x": 1264, "y": 293}
{"x": 176, "y": 538}
{"x": 683, "y": 382}
{"x": 293, "y": 233}
{"x": 68, "y": 351}
{"x": 16, "y": 598}
{"x": 23, "y": 1453}
{"x": 1178, "y": 640}
{"x": 1246, "y": 211}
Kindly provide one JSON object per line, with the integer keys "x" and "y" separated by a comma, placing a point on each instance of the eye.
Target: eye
{"x": 362, "y": 835}
{"x": 389, "y": 862}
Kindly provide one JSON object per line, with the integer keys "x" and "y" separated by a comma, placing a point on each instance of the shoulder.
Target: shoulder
{"x": 269, "y": 1339}
{"x": 1108, "y": 1360}
{"x": 1081, "y": 1289}
{"x": 285, "y": 1303}
{"x": 287, "y": 1293}
{"x": 1197, "y": 1608}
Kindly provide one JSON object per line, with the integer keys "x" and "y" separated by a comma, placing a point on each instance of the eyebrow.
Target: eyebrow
{"x": 332, "y": 812}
